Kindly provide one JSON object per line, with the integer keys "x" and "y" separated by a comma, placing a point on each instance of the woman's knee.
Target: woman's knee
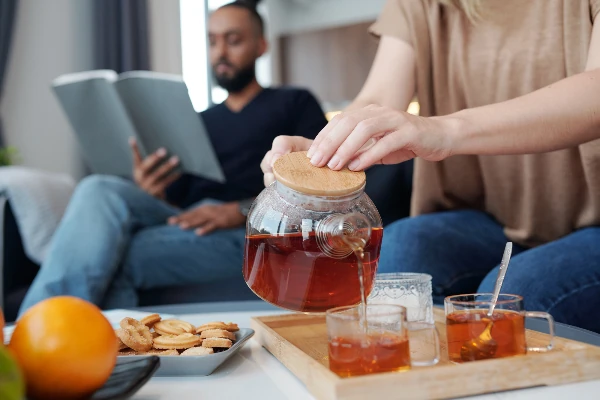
{"x": 405, "y": 243}
{"x": 568, "y": 293}
{"x": 575, "y": 305}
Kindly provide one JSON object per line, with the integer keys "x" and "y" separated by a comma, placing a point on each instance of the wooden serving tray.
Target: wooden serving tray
{"x": 299, "y": 341}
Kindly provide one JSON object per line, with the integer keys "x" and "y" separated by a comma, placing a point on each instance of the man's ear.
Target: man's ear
{"x": 263, "y": 46}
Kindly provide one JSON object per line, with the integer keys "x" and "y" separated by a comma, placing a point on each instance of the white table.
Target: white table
{"x": 254, "y": 373}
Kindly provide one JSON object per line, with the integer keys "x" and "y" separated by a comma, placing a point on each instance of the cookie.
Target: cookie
{"x": 198, "y": 351}
{"x": 217, "y": 342}
{"x": 156, "y": 352}
{"x": 135, "y": 335}
{"x": 183, "y": 341}
{"x": 122, "y": 346}
{"x": 150, "y": 320}
{"x": 211, "y": 325}
{"x": 151, "y": 352}
{"x": 173, "y": 327}
{"x": 128, "y": 353}
{"x": 217, "y": 333}
{"x": 231, "y": 327}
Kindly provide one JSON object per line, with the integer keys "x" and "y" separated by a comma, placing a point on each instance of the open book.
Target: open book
{"x": 106, "y": 109}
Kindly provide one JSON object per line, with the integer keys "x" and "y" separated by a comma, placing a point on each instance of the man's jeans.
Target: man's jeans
{"x": 462, "y": 251}
{"x": 113, "y": 240}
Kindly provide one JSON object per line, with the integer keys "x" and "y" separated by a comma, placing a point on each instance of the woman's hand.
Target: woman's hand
{"x": 281, "y": 145}
{"x": 380, "y": 135}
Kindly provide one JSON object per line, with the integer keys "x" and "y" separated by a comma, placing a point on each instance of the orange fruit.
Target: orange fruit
{"x": 65, "y": 347}
{"x": 12, "y": 386}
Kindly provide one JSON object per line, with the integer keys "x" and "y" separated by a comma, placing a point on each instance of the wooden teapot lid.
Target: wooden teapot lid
{"x": 295, "y": 171}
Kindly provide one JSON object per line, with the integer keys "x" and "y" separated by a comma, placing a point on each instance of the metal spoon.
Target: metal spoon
{"x": 484, "y": 346}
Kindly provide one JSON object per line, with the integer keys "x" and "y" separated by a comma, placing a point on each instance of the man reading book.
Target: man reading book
{"x": 163, "y": 229}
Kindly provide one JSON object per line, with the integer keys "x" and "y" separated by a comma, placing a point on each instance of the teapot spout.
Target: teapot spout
{"x": 339, "y": 235}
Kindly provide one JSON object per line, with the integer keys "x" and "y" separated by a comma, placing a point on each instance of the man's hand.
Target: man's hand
{"x": 207, "y": 218}
{"x": 150, "y": 177}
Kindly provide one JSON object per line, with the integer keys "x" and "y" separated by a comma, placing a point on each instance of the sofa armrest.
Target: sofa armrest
{"x": 3, "y": 202}
{"x": 17, "y": 271}
{"x": 38, "y": 200}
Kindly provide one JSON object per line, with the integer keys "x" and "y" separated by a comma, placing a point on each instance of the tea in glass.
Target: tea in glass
{"x": 382, "y": 345}
{"x": 472, "y": 335}
{"x": 507, "y": 330}
{"x": 351, "y": 356}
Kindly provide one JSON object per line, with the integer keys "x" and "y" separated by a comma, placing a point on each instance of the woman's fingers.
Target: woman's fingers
{"x": 265, "y": 164}
{"x": 281, "y": 145}
{"x": 324, "y": 133}
{"x": 330, "y": 141}
{"x": 364, "y": 123}
{"x": 367, "y": 132}
{"x": 390, "y": 149}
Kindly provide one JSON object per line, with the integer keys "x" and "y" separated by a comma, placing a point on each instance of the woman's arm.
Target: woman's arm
{"x": 391, "y": 83}
{"x": 559, "y": 116}
{"x": 562, "y": 115}
{"x": 391, "y": 80}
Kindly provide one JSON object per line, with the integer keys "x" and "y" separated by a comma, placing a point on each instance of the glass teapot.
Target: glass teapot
{"x": 305, "y": 234}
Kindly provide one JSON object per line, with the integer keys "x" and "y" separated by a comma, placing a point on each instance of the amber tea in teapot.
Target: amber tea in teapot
{"x": 292, "y": 272}
{"x": 297, "y": 254}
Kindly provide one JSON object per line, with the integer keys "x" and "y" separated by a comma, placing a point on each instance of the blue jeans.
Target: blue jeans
{"x": 462, "y": 250}
{"x": 113, "y": 240}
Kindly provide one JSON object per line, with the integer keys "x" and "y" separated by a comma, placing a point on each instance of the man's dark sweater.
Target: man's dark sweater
{"x": 241, "y": 139}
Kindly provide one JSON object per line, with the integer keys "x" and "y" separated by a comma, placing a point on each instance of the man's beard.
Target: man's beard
{"x": 240, "y": 79}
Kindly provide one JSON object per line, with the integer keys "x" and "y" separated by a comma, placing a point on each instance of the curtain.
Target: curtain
{"x": 8, "y": 10}
{"x": 121, "y": 35}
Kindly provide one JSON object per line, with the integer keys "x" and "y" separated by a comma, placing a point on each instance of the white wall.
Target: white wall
{"x": 50, "y": 38}
{"x": 165, "y": 36}
{"x": 293, "y": 16}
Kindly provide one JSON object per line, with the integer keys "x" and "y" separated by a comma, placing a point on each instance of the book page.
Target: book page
{"x": 163, "y": 115}
{"x": 99, "y": 120}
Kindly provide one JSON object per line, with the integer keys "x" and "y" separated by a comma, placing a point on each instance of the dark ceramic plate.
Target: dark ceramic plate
{"x": 127, "y": 378}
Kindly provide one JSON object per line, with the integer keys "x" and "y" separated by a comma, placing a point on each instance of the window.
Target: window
{"x": 194, "y": 51}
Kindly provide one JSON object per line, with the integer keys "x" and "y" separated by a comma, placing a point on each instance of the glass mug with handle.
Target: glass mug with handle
{"x": 472, "y": 335}
{"x": 382, "y": 347}
{"x": 413, "y": 291}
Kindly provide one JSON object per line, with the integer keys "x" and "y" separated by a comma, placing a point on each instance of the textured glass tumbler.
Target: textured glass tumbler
{"x": 412, "y": 291}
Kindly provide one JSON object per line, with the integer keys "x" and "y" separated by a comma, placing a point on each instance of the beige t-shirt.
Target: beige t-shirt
{"x": 519, "y": 46}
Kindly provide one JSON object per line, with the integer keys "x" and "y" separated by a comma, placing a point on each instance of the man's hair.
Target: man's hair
{"x": 250, "y": 6}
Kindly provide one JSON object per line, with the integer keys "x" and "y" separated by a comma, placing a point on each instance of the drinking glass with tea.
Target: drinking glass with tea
{"x": 474, "y": 335}
{"x": 313, "y": 237}
{"x": 382, "y": 345}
